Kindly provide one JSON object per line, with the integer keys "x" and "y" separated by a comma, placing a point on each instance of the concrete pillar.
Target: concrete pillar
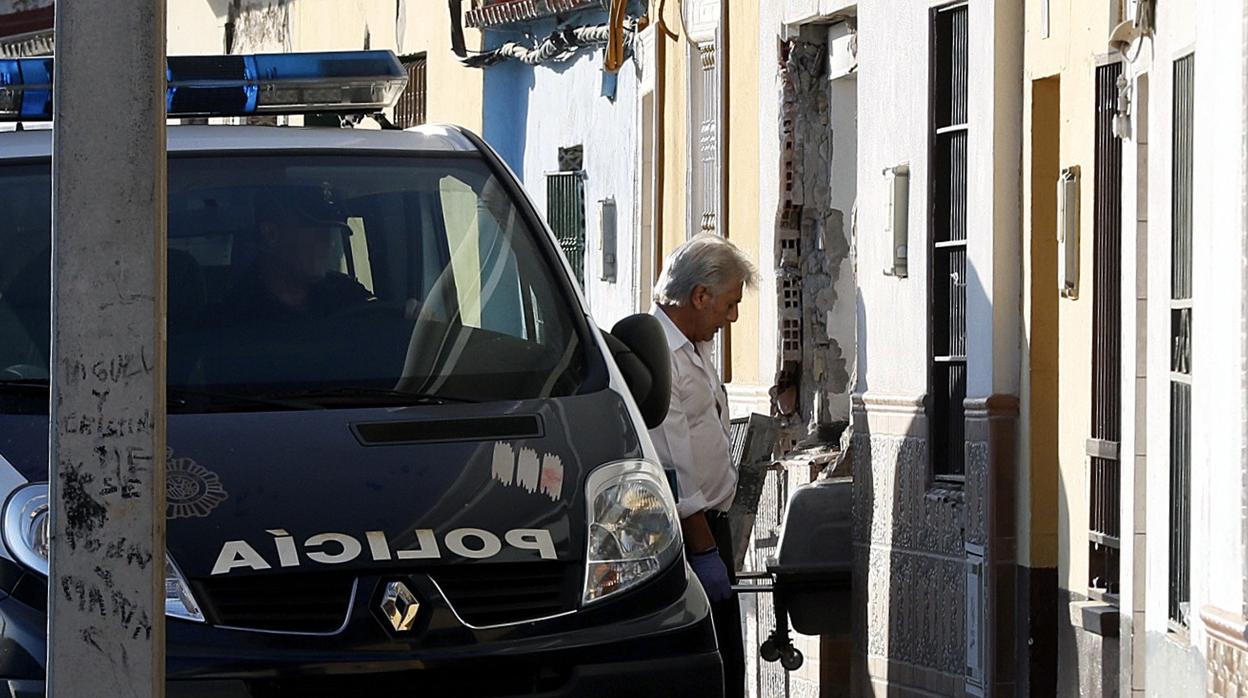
{"x": 105, "y": 600}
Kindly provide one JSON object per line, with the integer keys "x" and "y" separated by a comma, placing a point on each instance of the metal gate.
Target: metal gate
{"x": 1104, "y": 540}
{"x": 565, "y": 212}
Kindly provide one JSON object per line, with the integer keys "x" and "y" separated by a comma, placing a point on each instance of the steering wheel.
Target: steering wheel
{"x": 376, "y": 309}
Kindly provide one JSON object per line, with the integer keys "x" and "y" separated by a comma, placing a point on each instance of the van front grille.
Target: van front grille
{"x": 480, "y": 594}
{"x": 492, "y": 594}
{"x": 304, "y": 603}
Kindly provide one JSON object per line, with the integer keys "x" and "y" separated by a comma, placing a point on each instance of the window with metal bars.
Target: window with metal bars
{"x": 565, "y": 212}
{"x": 704, "y": 106}
{"x": 1104, "y": 486}
{"x": 947, "y": 284}
{"x": 1181, "y": 342}
{"x": 409, "y": 111}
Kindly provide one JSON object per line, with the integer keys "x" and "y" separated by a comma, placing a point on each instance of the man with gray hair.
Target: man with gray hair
{"x": 697, "y": 294}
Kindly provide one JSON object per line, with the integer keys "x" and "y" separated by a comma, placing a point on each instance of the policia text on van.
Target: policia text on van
{"x": 402, "y": 457}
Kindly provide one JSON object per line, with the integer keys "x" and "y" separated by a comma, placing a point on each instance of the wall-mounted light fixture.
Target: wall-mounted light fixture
{"x": 1068, "y": 232}
{"x": 842, "y": 48}
{"x": 898, "y": 182}
{"x": 607, "y": 223}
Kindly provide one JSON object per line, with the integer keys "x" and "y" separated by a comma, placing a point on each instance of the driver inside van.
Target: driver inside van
{"x": 295, "y": 274}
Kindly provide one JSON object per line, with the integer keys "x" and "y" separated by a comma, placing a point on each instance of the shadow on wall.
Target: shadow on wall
{"x": 911, "y": 569}
{"x": 505, "y": 110}
{"x": 508, "y": 90}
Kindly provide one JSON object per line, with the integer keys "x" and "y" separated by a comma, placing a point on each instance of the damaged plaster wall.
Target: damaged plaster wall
{"x": 815, "y": 285}
{"x": 256, "y": 26}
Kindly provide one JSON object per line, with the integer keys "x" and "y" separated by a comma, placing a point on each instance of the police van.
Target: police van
{"x": 403, "y": 459}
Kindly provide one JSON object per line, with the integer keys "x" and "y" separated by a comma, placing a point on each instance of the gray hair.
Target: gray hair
{"x": 704, "y": 260}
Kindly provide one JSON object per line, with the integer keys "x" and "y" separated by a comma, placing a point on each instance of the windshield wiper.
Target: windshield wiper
{"x": 366, "y": 395}
{"x": 306, "y": 399}
{"x": 178, "y": 395}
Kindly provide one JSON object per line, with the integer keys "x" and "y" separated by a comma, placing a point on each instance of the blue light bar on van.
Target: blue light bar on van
{"x": 277, "y": 83}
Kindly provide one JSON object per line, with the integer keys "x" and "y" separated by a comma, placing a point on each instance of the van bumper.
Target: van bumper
{"x": 668, "y": 651}
{"x": 696, "y": 675}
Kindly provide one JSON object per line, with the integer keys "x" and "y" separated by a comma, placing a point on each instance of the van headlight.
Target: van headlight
{"x": 633, "y": 528}
{"x": 28, "y": 538}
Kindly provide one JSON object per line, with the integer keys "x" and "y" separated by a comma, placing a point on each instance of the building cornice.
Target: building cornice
{"x": 37, "y": 44}
{"x": 878, "y": 402}
{"x": 488, "y": 14}
{"x": 1225, "y": 627}
{"x": 991, "y": 407}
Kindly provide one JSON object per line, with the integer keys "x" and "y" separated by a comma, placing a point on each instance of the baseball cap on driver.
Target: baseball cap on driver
{"x": 300, "y": 204}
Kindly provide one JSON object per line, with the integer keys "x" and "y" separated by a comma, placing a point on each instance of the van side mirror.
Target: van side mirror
{"x": 639, "y": 348}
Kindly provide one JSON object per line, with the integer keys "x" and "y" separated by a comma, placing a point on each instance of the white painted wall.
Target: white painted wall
{"x": 1218, "y": 285}
{"x": 843, "y": 116}
{"x": 1214, "y": 30}
{"x": 893, "y": 49}
{"x": 1175, "y": 32}
{"x": 892, "y": 130}
{"x": 994, "y": 208}
{"x": 565, "y": 109}
{"x": 769, "y": 96}
{"x": 195, "y": 28}
{"x": 801, "y": 11}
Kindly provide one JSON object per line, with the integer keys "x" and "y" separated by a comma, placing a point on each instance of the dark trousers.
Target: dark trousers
{"x": 727, "y": 613}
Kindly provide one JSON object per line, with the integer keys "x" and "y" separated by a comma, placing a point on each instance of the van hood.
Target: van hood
{"x": 374, "y": 489}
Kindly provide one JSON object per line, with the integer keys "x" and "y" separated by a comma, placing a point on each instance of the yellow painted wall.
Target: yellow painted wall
{"x": 455, "y": 92}
{"x": 743, "y": 167}
{"x": 1041, "y": 390}
{"x": 673, "y": 112}
{"x": 742, "y": 160}
{"x": 1077, "y": 35}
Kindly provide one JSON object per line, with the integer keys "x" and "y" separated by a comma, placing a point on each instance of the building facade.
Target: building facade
{"x": 567, "y": 121}
{"x": 1072, "y": 170}
{"x": 1134, "y": 181}
{"x": 936, "y": 398}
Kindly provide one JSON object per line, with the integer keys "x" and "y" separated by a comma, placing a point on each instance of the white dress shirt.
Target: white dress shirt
{"x": 694, "y": 438}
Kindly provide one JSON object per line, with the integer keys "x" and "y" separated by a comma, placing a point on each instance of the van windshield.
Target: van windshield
{"x": 321, "y": 281}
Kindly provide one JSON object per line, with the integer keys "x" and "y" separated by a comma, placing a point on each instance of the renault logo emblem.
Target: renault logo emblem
{"x": 400, "y": 606}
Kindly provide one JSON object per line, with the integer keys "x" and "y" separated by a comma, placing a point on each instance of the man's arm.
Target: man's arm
{"x": 698, "y": 536}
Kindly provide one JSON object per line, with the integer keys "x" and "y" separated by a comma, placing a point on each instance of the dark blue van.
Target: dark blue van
{"x": 403, "y": 458}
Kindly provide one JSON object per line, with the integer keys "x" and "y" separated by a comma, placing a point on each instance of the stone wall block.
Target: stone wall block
{"x": 976, "y": 492}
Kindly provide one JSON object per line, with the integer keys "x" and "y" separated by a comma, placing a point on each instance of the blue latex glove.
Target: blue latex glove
{"x": 711, "y": 572}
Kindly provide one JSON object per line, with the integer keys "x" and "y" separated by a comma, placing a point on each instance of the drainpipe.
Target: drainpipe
{"x": 662, "y": 34}
{"x": 457, "y": 28}
{"x": 725, "y": 160}
{"x": 1243, "y": 319}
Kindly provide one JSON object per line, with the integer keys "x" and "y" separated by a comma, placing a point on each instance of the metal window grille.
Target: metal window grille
{"x": 1181, "y": 342}
{"x": 708, "y": 139}
{"x": 410, "y": 109}
{"x": 565, "y": 212}
{"x": 1105, "y": 489}
{"x": 948, "y": 240}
